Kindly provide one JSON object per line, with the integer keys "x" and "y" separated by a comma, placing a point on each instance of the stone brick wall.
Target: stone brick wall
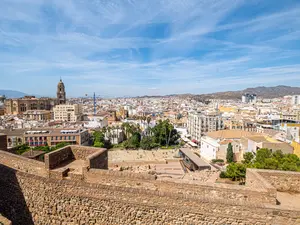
{"x": 23, "y": 164}
{"x": 81, "y": 152}
{"x": 27, "y": 196}
{"x": 98, "y": 160}
{"x": 96, "y": 157}
{"x": 69, "y": 202}
{"x": 53, "y": 159}
{"x": 96, "y": 173}
{"x": 234, "y": 194}
{"x": 282, "y": 180}
{"x": 255, "y": 180}
{"x": 3, "y": 142}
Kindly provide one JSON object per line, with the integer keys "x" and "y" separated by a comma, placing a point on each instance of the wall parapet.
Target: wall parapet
{"x": 285, "y": 181}
{"x": 236, "y": 194}
{"x": 23, "y": 164}
{"x": 66, "y": 201}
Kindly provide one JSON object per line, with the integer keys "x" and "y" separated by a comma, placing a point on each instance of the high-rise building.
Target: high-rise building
{"x": 70, "y": 113}
{"x": 202, "y": 122}
{"x": 249, "y": 98}
{"x": 296, "y": 100}
{"x": 61, "y": 93}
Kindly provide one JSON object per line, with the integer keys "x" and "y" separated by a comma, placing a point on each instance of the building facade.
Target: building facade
{"x": 21, "y": 105}
{"x": 70, "y": 113}
{"x": 296, "y": 100}
{"x": 212, "y": 148}
{"x": 54, "y": 137}
{"x": 249, "y": 98}
{"x": 201, "y": 122}
{"x": 38, "y": 115}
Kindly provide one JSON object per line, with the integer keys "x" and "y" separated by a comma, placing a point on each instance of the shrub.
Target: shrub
{"x": 217, "y": 161}
{"x": 236, "y": 171}
{"x": 248, "y": 157}
{"x": 223, "y": 174}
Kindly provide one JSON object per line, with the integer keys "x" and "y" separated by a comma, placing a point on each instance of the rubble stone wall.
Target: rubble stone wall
{"x": 68, "y": 202}
{"x": 282, "y": 180}
{"x": 28, "y": 197}
{"x": 96, "y": 173}
{"x": 144, "y": 183}
{"x": 98, "y": 160}
{"x": 53, "y": 159}
{"x": 22, "y": 163}
{"x": 81, "y": 152}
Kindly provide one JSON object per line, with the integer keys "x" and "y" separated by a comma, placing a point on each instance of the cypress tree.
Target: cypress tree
{"x": 229, "y": 156}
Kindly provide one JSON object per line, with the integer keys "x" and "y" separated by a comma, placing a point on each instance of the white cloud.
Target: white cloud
{"x": 100, "y": 45}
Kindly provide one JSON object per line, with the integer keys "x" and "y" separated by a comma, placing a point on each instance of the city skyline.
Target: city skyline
{"x": 134, "y": 48}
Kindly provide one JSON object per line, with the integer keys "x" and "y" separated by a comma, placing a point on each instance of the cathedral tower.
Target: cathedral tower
{"x": 61, "y": 93}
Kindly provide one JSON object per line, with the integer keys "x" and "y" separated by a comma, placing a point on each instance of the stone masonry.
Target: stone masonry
{"x": 28, "y": 196}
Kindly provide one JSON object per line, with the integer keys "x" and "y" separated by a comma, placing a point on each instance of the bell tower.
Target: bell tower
{"x": 61, "y": 93}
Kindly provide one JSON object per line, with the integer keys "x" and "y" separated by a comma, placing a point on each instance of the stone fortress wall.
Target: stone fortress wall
{"x": 29, "y": 196}
{"x": 282, "y": 180}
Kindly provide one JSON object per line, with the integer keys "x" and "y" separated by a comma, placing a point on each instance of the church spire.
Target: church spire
{"x": 61, "y": 93}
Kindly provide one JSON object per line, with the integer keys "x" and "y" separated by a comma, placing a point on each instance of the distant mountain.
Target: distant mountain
{"x": 12, "y": 94}
{"x": 261, "y": 92}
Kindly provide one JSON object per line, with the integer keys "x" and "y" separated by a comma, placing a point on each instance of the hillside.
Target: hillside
{"x": 12, "y": 94}
{"x": 261, "y": 92}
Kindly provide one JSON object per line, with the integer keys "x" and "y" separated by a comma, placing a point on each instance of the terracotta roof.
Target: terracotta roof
{"x": 258, "y": 139}
{"x": 225, "y": 142}
{"x": 230, "y": 134}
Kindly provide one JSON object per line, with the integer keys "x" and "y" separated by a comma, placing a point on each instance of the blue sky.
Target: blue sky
{"x": 139, "y": 47}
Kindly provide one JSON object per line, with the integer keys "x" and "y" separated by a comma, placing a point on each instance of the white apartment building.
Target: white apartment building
{"x": 70, "y": 113}
{"x": 296, "y": 100}
{"x": 212, "y": 148}
{"x": 201, "y": 122}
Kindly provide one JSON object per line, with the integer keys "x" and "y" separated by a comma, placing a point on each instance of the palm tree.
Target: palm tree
{"x": 104, "y": 130}
{"x": 117, "y": 128}
{"x": 148, "y": 122}
{"x": 109, "y": 132}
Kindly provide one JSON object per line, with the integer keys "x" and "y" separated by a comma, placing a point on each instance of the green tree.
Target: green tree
{"x": 288, "y": 166}
{"x": 133, "y": 141}
{"x": 262, "y": 154}
{"x": 20, "y": 149}
{"x": 271, "y": 163}
{"x": 99, "y": 144}
{"x": 147, "y": 143}
{"x": 236, "y": 171}
{"x": 278, "y": 155}
{"x": 248, "y": 157}
{"x": 164, "y": 133}
{"x": 229, "y": 155}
